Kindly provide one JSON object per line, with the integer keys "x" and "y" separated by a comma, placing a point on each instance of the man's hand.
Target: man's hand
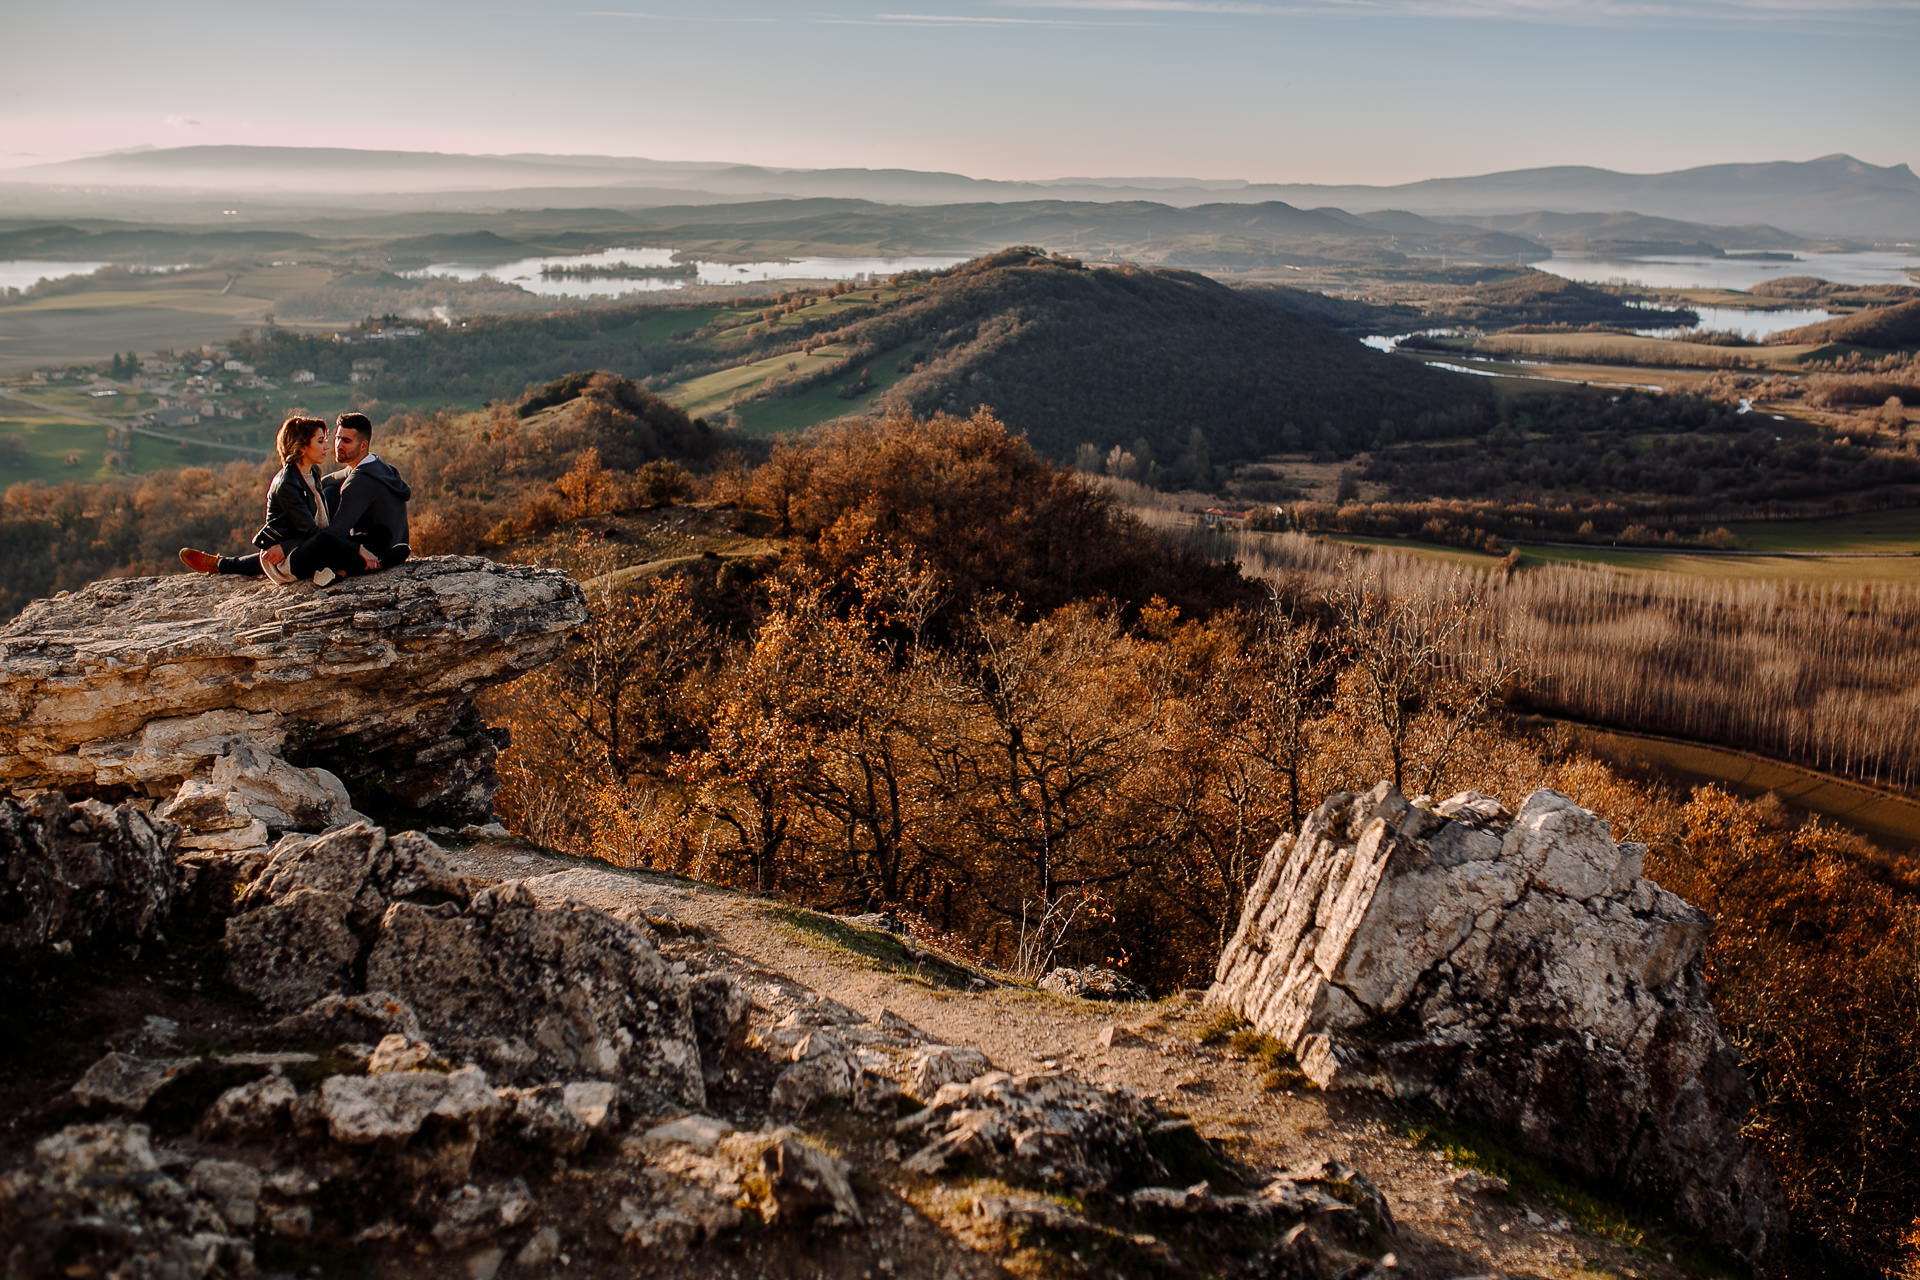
{"x": 370, "y": 560}
{"x": 274, "y": 554}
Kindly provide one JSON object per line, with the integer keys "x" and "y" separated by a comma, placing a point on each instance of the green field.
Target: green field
{"x": 1872, "y": 531}
{"x": 49, "y": 442}
{"x": 162, "y": 312}
{"x": 1619, "y": 348}
{"x": 1884, "y": 532}
{"x": 790, "y": 415}
{"x": 1805, "y": 568}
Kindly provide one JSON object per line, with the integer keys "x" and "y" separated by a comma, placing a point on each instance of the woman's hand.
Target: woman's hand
{"x": 370, "y": 560}
{"x": 274, "y": 554}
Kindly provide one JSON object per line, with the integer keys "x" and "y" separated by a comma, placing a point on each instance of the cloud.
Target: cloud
{"x": 176, "y": 122}
{"x": 644, "y": 16}
{"x": 1570, "y": 12}
{"x": 964, "y": 20}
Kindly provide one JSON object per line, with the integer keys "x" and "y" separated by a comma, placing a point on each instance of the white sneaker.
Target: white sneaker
{"x": 277, "y": 572}
{"x": 323, "y": 577}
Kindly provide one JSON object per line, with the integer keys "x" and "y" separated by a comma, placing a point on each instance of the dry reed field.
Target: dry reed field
{"x": 1821, "y": 674}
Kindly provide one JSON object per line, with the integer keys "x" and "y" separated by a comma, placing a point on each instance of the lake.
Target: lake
{"x": 24, "y": 273}
{"x": 1748, "y": 324}
{"x": 1685, "y": 271}
{"x": 526, "y": 273}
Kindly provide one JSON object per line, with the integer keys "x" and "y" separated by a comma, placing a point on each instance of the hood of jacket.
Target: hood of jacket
{"x": 378, "y": 469}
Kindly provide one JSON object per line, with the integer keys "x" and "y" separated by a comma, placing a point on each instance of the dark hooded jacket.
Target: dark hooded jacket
{"x": 369, "y": 503}
{"x": 291, "y": 510}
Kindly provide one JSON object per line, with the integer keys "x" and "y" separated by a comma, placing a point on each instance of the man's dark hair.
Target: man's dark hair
{"x": 358, "y": 423}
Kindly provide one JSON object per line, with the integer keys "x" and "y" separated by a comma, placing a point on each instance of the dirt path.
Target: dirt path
{"x": 1156, "y": 1050}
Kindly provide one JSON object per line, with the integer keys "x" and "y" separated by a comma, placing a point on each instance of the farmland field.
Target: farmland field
{"x": 1882, "y": 814}
{"x": 1619, "y": 348}
{"x": 1891, "y": 539}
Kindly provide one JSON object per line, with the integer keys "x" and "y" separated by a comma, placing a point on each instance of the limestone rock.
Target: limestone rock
{"x": 562, "y": 1118}
{"x": 127, "y": 1083}
{"x": 144, "y": 683}
{"x": 98, "y": 1193}
{"x": 75, "y": 871}
{"x": 591, "y": 995}
{"x": 937, "y": 1065}
{"x": 1516, "y": 970}
{"x": 1093, "y": 983}
{"x": 369, "y": 1015}
{"x": 251, "y": 1111}
{"x": 536, "y": 993}
{"x": 702, "y": 1133}
{"x": 1051, "y": 1126}
{"x": 252, "y": 793}
{"x": 471, "y": 1214}
{"x": 359, "y": 1110}
{"x": 800, "y": 1182}
{"x": 398, "y": 1051}
{"x": 233, "y": 1186}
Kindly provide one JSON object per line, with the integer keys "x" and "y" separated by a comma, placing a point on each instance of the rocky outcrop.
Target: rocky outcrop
{"x": 535, "y": 994}
{"x": 141, "y": 685}
{"x": 98, "y": 1193}
{"x": 75, "y": 871}
{"x": 1051, "y": 1126}
{"x": 1517, "y": 970}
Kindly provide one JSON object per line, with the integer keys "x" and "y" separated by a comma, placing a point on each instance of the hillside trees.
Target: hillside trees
{"x": 963, "y": 695}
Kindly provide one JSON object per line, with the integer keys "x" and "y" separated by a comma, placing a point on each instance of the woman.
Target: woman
{"x": 295, "y": 542}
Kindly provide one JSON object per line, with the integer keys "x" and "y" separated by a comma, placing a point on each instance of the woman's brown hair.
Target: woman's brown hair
{"x": 294, "y": 435}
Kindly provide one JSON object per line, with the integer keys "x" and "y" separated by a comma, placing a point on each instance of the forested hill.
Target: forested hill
{"x": 1074, "y": 356}
{"x": 1162, "y": 361}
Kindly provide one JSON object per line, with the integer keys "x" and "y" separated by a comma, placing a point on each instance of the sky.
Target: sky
{"x": 1333, "y": 91}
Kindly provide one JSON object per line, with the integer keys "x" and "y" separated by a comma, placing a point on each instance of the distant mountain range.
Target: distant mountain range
{"x": 1834, "y": 196}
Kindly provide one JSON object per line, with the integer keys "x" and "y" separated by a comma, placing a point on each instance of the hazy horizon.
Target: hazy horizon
{"x": 1334, "y": 92}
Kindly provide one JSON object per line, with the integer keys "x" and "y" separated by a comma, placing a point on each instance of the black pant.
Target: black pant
{"x": 325, "y": 549}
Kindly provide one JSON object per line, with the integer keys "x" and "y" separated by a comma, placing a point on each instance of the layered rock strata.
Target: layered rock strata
{"x": 1516, "y": 970}
{"x": 139, "y": 685}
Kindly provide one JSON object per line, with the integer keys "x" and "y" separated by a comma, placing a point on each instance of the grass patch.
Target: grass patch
{"x": 1221, "y": 1027}
{"x": 880, "y": 949}
{"x": 1629, "y": 1225}
{"x": 780, "y": 415}
{"x": 47, "y": 442}
{"x": 1283, "y": 1069}
{"x": 1868, "y": 531}
{"x": 1237, "y": 1034}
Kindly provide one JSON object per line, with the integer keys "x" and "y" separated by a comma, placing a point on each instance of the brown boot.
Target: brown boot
{"x": 199, "y": 561}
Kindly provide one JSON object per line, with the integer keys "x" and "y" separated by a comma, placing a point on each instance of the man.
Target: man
{"x": 367, "y": 502}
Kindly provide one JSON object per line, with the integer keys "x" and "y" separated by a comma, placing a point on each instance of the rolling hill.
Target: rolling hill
{"x": 1072, "y": 355}
{"x": 1069, "y": 354}
{"x": 1834, "y": 195}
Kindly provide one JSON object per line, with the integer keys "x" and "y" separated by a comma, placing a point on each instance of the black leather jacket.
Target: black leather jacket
{"x": 290, "y": 509}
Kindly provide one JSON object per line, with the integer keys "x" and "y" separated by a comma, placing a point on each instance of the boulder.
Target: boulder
{"x": 1515, "y": 970}
{"x": 1093, "y": 983}
{"x": 374, "y": 935}
{"x": 392, "y": 1107}
{"x": 96, "y": 1201}
{"x": 932, "y": 1067}
{"x": 144, "y": 683}
{"x": 248, "y": 788}
{"x": 75, "y": 871}
{"x": 127, "y": 1083}
{"x": 1049, "y": 1126}
{"x": 252, "y": 1111}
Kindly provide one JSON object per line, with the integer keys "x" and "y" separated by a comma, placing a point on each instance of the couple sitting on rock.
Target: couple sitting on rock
{"x": 354, "y": 521}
